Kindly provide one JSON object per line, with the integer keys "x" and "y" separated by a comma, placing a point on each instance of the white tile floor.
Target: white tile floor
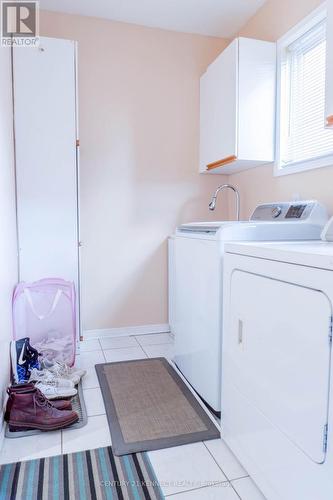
{"x": 199, "y": 471}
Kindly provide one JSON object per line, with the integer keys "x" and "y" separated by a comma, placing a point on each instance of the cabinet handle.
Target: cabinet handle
{"x": 329, "y": 121}
{"x": 221, "y": 163}
{"x": 240, "y": 331}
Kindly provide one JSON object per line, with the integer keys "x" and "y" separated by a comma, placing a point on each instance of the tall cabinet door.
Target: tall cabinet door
{"x": 45, "y": 135}
{"x": 218, "y": 109}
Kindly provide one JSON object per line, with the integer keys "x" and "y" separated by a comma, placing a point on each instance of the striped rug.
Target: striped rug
{"x": 94, "y": 474}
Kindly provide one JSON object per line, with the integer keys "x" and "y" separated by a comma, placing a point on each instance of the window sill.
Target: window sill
{"x": 326, "y": 161}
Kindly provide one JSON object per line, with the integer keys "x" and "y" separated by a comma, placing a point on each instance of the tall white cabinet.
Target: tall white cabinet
{"x": 237, "y": 108}
{"x": 46, "y": 137}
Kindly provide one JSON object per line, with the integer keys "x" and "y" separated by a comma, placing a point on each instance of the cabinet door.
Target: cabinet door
{"x": 45, "y": 131}
{"x": 279, "y": 355}
{"x": 218, "y": 109}
{"x": 329, "y": 66}
{"x": 256, "y": 101}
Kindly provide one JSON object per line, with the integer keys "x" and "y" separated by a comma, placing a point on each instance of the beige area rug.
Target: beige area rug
{"x": 149, "y": 407}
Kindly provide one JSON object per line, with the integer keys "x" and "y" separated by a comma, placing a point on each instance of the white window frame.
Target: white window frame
{"x": 296, "y": 32}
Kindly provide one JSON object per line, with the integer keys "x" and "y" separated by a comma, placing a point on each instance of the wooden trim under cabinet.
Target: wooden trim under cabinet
{"x": 224, "y": 161}
{"x": 329, "y": 121}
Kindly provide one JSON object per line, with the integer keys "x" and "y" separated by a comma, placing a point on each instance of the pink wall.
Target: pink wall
{"x": 274, "y": 19}
{"x": 139, "y": 132}
{"x": 139, "y": 124}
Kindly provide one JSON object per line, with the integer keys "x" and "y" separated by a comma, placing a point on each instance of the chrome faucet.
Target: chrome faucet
{"x": 212, "y": 204}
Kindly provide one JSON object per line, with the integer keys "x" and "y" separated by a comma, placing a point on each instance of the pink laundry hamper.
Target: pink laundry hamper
{"x": 45, "y": 312}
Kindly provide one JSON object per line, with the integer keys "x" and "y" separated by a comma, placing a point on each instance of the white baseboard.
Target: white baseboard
{"x": 126, "y": 330}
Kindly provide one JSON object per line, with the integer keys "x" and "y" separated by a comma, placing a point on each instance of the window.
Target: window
{"x": 302, "y": 140}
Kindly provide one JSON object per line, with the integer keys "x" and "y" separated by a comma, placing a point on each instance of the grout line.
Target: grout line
{"x": 136, "y": 340}
{"x": 213, "y": 484}
{"x": 229, "y": 479}
{"x": 211, "y": 454}
{"x": 241, "y": 477}
{"x": 232, "y": 486}
{"x": 132, "y": 347}
{"x": 160, "y": 344}
{"x": 156, "y": 345}
{"x": 125, "y": 348}
{"x": 103, "y": 357}
{"x": 92, "y": 350}
{"x": 144, "y": 352}
{"x": 151, "y": 345}
{"x": 119, "y": 348}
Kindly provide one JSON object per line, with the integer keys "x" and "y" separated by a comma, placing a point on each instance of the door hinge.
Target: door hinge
{"x": 325, "y": 438}
{"x": 330, "y": 329}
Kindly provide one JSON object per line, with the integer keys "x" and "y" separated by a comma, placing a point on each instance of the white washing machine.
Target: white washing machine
{"x": 196, "y": 293}
{"x": 277, "y": 384}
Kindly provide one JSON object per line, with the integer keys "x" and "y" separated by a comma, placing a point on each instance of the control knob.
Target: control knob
{"x": 276, "y": 211}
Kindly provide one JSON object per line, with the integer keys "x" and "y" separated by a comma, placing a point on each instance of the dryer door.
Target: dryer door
{"x": 279, "y": 352}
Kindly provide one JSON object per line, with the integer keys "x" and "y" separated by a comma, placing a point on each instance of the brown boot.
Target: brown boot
{"x": 60, "y": 404}
{"x": 31, "y": 410}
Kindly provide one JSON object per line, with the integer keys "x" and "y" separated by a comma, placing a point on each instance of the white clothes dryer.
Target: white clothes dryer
{"x": 277, "y": 385}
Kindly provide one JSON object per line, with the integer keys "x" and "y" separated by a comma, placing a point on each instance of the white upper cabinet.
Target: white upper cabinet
{"x": 329, "y": 66}
{"x": 237, "y": 108}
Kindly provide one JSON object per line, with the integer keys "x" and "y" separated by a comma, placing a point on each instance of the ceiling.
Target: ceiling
{"x": 221, "y": 18}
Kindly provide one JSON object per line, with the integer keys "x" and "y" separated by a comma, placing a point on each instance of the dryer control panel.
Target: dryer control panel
{"x": 310, "y": 211}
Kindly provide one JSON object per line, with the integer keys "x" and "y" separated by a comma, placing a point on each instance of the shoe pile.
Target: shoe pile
{"x": 37, "y": 396}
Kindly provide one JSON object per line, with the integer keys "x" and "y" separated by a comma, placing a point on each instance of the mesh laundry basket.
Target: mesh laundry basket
{"x": 44, "y": 311}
